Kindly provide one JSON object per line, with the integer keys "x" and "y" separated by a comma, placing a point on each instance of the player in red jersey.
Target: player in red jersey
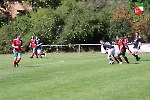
{"x": 122, "y": 50}
{"x": 17, "y": 46}
{"x": 33, "y": 45}
{"x": 126, "y": 44}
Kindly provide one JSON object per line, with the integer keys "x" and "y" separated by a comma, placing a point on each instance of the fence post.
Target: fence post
{"x": 56, "y": 49}
{"x": 79, "y": 48}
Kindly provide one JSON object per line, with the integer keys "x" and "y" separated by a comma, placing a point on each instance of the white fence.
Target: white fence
{"x": 144, "y": 48}
{"x": 78, "y": 45}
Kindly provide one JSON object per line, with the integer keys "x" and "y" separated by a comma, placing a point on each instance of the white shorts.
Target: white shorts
{"x": 135, "y": 50}
{"x": 111, "y": 52}
{"x": 39, "y": 51}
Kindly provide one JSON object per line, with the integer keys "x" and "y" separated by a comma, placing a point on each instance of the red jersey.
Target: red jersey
{"x": 120, "y": 43}
{"x": 17, "y": 43}
{"x": 33, "y": 43}
{"x": 126, "y": 42}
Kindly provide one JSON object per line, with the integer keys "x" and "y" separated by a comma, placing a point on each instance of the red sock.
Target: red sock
{"x": 18, "y": 61}
{"x": 118, "y": 57}
{"x": 126, "y": 59}
{"x": 130, "y": 52}
{"x": 15, "y": 61}
{"x": 32, "y": 54}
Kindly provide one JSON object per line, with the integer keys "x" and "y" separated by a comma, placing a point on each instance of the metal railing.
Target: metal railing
{"x": 79, "y": 46}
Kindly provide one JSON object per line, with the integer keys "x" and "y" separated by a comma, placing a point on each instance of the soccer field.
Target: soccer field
{"x": 74, "y": 76}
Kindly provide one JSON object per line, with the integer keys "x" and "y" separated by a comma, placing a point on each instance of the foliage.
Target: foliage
{"x": 44, "y": 3}
{"x": 19, "y": 26}
{"x": 2, "y": 20}
{"x": 6, "y": 40}
{"x": 141, "y": 25}
{"x": 120, "y": 27}
{"x": 84, "y": 24}
{"x": 73, "y": 22}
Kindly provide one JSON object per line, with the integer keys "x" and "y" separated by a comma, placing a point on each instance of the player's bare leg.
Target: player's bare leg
{"x": 18, "y": 60}
{"x": 36, "y": 54}
{"x": 32, "y": 54}
{"x": 130, "y": 51}
{"x": 39, "y": 53}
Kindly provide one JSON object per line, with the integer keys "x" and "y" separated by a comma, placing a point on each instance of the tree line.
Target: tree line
{"x": 73, "y": 22}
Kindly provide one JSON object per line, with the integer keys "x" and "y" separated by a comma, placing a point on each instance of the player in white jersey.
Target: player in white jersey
{"x": 110, "y": 50}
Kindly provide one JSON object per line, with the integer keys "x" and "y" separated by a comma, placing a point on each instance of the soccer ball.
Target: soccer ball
{"x": 110, "y": 62}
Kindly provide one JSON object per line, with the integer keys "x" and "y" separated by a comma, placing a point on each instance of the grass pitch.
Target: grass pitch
{"x": 73, "y": 76}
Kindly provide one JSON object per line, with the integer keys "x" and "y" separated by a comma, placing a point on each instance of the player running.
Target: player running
{"x": 17, "y": 46}
{"x": 39, "y": 46}
{"x": 33, "y": 45}
{"x": 122, "y": 50}
{"x": 126, "y": 44}
{"x": 137, "y": 44}
{"x": 110, "y": 50}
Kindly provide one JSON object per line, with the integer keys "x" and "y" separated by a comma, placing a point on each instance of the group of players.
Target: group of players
{"x": 35, "y": 43}
{"x": 114, "y": 56}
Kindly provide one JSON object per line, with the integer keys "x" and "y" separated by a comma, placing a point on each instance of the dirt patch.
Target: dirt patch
{"x": 13, "y": 9}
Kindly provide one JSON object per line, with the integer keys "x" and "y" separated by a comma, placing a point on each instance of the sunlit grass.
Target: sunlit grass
{"x": 74, "y": 76}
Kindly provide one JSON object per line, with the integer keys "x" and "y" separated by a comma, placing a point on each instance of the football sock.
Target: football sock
{"x": 130, "y": 52}
{"x": 32, "y": 54}
{"x": 110, "y": 59}
{"x": 126, "y": 59}
{"x": 18, "y": 60}
{"x": 14, "y": 63}
{"x": 136, "y": 56}
{"x": 118, "y": 57}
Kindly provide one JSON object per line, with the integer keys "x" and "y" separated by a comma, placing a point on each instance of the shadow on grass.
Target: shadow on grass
{"x": 31, "y": 66}
{"x": 138, "y": 62}
{"x": 144, "y": 60}
{"x": 134, "y": 63}
{"x": 126, "y": 63}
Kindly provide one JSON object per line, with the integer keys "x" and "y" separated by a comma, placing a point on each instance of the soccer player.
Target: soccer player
{"x": 110, "y": 50}
{"x": 122, "y": 50}
{"x": 137, "y": 44}
{"x": 126, "y": 44}
{"x": 33, "y": 45}
{"x": 17, "y": 46}
{"x": 39, "y": 46}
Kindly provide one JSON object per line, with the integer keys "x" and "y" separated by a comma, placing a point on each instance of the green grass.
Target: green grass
{"x": 73, "y": 76}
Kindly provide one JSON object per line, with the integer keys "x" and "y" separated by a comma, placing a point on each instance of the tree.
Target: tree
{"x": 2, "y": 20}
{"x": 120, "y": 27}
{"x": 44, "y": 3}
